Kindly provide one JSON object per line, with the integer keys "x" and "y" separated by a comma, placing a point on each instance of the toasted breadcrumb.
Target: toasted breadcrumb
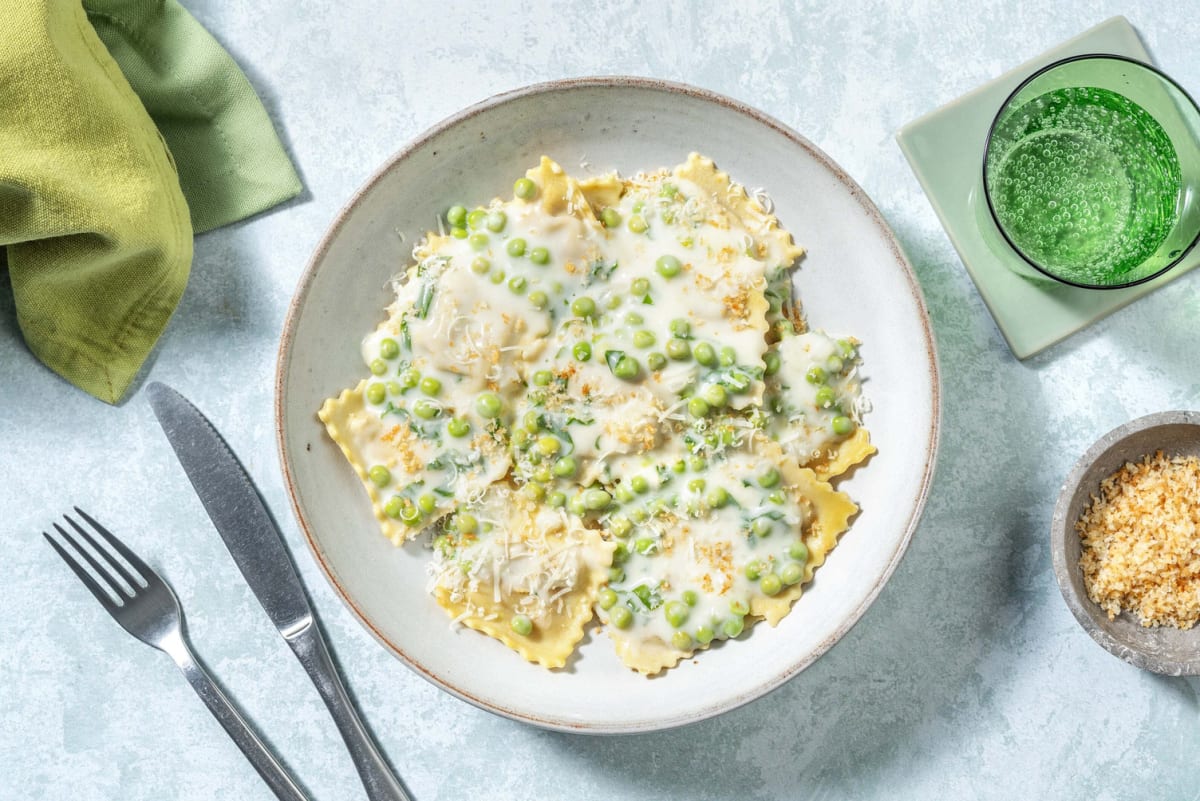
{"x": 1141, "y": 542}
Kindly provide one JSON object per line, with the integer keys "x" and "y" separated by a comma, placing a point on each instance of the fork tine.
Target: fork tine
{"x": 133, "y": 585}
{"x": 103, "y": 597}
{"x": 105, "y": 575}
{"x": 132, "y": 558}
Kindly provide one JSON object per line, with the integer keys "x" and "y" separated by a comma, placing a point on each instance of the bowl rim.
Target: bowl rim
{"x": 304, "y": 285}
{"x": 1061, "y": 530}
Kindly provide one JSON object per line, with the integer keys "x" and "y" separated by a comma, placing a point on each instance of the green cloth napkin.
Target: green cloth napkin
{"x": 97, "y": 232}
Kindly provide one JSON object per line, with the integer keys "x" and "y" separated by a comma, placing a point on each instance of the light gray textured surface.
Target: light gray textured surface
{"x": 968, "y": 678}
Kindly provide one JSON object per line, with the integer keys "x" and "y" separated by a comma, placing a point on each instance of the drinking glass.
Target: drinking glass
{"x": 1092, "y": 172}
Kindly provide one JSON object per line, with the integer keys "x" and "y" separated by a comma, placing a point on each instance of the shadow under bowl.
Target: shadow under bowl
{"x": 1161, "y": 649}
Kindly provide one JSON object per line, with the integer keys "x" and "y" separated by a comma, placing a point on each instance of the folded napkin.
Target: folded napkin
{"x": 93, "y": 179}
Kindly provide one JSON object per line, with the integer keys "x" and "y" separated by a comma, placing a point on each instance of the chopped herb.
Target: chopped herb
{"x": 424, "y": 299}
{"x": 649, "y": 597}
{"x": 599, "y": 270}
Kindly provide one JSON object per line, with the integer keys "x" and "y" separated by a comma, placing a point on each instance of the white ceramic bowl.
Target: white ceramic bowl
{"x": 855, "y": 280}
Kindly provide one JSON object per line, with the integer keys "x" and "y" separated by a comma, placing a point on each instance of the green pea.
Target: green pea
{"x": 798, "y": 551}
{"x": 772, "y": 362}
{"x": 427, "y": 503}
{"x": 582, "y": 351}
{"x": 633, "y": 318}
{"x": 639, "y": 515}
{"x": 698, "y": 407}
{"x": 410, "y": 378}
{"x": 426, "y": 410}
{"x": 616, "y": 575}
{"x": 697, "y": 464}
{"x": 488, "y": 405}
{"x": 727, "y": 356}
{"x": 717, "y": 498}
{"x": 739, "y": 608}
{"x": 643, "y": 545}
{"x": 583, "y": 307}
{"x": 676, "y": 613}
{"x": 539, "y": 256}
{"x": 556, "y": 499}
{"x": 393, "y": 507}
{"x": 705, "y": 354}
{"x": 565, "y": 467}
{"x": 668, "y": 266}
{"x": 753, "y": 569}
{"x": 620, "y": 616}
{"x": 770, "y": 584}
{"x": 704, "y": 635}
{"x": 620, "y": 527}
{"x": 643, "y": 339}
{"x": 640, "y": 286}
{"x": 639, "y": 484}
{"x": 430, "y": 385}
{"x": 690, "y": 597}
{"x": 538, "y": 298}
{"x": 515, "y": 247}
{"x": 792, "y": 573}
{"x": 716, "y": 396}
{"x": 549, "y": 445}
{"x": 543, "y": 474}
{"x": 458, "y": 232}
{"x": 620, "y": 554}
{"x": 762, "y": 527}
{"x": 835, "y": 364}
{"x": 825, "y": 397}
{"x": 626, "y": 368}
{"x": 480, "y": 265}
{"x": 733, "y": 628}
{"x": 696, "y": 485}
{"x": 679, "y": 350}
{"x": 607, "y": 599}
{"x": 457, "y": 215}
{"x": 465, "y": 522}
{"x": 497, "y": 277}
{"x": 679, "y": 466}
{"x": 680, "y": 328}
{"x": 376, "y": 393}
{"x": 534, "y": 492}
{"x": 378, "y": 366}
{"x": 847, "y": 349}
{"x": 815, "y": 375}
{"x": 656, "y": 361}
{"x": 576, "y": 504}
{"x": 596, "y": 499}
{"x": 517, "y": 284}
{"x": 842, "y": 425}
{"x": 394, "y": 387}
{"x": 776, "y": 498}
{"x": 479, "y": 241}
{"x": 623, "y": 494}
{"x": 610, "y": 217}
{"x": 389, "y": 348}
{"x": 496, "y": 221}
{"x": 637, "y": 224}
{"x": 522, "y": 625}
{"x": 681, "y": 640}
{"x": 769, "y": 479}
{"x": 458, "y": 427}
{"x": 476, "y": 218}
{"x": 542, "y": 378}
{"x": 613, "y": 302}
{"x": 531, "y": 422}
{"x": 524, "y": 189}
{"x": 380, "y": 476}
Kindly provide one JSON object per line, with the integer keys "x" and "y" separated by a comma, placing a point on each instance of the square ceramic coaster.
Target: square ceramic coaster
{"x": 945, "y": 150}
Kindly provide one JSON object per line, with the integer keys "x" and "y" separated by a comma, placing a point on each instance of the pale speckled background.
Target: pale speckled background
{"x": 968, "y": 678}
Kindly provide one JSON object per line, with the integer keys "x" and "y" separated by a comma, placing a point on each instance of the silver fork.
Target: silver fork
{"x": 147, "y": 608}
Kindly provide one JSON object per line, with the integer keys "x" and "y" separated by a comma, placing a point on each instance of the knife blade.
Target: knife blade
{"x": 235, "y": 508}
{"x": 242, "y": 519}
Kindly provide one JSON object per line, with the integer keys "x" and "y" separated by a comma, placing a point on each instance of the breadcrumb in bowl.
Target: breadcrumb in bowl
{"x": 1125, "y": 541}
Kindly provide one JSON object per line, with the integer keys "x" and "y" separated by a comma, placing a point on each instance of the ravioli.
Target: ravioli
{"x": 600, "y": 398}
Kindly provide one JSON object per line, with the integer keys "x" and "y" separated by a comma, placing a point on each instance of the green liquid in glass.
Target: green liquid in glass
{"x": 1084, "y": 182}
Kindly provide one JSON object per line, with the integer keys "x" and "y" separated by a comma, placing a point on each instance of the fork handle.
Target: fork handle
{"x": 274, "y": 774}
{"x": 377, "y": 778}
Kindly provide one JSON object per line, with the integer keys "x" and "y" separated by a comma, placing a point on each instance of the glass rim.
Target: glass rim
{"x": 987, "y": 144}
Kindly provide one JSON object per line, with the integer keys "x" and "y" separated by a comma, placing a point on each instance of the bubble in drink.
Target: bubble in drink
{"x": 1084, "y": 182}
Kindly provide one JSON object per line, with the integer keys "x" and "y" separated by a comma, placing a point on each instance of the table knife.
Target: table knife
{"x": 257, "y": 546}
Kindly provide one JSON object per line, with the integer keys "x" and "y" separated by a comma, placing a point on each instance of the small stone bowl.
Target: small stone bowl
{"x": 1162, "y": 649}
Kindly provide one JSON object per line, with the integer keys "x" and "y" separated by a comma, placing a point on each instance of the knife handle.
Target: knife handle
{"x": 236, "y": 727}
{"x": 381, "y": 785}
